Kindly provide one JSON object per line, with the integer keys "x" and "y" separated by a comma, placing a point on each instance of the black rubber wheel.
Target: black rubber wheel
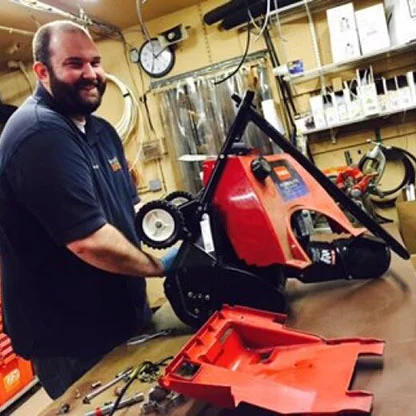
{"x": 178, "y": 198}
{"x": 159, "y": 224}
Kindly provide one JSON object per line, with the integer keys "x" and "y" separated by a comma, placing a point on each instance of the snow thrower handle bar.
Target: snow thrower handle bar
{"x": 247, "y": 113}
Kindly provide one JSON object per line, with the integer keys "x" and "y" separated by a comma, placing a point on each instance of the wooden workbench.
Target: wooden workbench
{"x": 384, "y": 308}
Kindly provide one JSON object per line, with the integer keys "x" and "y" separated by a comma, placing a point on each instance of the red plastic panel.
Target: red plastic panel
{"x": 257, "y": 214}
{"x": 242, "y": 355}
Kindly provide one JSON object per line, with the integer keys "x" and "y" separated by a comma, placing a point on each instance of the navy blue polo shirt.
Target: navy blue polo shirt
{"x": 58, "y": 185}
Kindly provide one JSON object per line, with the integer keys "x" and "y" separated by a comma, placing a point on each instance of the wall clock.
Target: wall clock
{"x": 156, "y": 60}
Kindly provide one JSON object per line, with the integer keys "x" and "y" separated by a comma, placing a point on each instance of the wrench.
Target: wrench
{"x": 147, "y": 337}
{"x": 87, "y": 399}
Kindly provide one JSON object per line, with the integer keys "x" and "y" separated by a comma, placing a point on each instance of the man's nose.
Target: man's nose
{"x": 88, "y": 72}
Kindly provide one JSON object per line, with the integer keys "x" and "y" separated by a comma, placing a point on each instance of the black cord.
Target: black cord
{"x": 408, "y": 161}
{"x": 242, "y": 59}
{"x": 134, "y": 375}
{"x": 124, "y": 389}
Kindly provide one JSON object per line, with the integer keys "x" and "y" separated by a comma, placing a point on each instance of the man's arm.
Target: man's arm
{"x": 109, "y": 250}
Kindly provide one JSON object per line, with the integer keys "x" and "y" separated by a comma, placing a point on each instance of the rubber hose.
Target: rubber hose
{"x": 395, "y": 153}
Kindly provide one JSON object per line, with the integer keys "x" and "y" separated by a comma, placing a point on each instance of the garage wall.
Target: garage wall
{"x": 207, "y": 45}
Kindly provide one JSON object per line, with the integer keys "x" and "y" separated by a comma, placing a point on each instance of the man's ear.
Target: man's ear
{"x": 42, "y": 72}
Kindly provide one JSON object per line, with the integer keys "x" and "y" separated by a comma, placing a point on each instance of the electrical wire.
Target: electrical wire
{"x": 279, "y": 24}
{"x": 252, "y": 19}
{"x": 266, "y": 20}
{"x": 242, "y": 59}
{"x": 142, "y": 24}
{"x": 133, "y": 375}
{"x": 130, "y": 115}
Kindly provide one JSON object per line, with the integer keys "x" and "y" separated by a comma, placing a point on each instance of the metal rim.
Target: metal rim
{"x": 158, "y": 225}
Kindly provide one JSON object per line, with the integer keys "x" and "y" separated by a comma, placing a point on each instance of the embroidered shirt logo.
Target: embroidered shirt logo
{"x": 115, "y": 164}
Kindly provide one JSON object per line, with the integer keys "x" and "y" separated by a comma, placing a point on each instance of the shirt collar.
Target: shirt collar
{"x": 92, "y": 128}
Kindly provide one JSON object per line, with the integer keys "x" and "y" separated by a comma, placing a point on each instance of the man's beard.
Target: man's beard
{"x": 69, "y": 98}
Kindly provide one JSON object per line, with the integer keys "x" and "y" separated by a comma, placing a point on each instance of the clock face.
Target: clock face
{"x": 156, "y": 60}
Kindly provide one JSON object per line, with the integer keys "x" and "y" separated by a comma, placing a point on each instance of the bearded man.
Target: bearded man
{"x": 73, "y": 282}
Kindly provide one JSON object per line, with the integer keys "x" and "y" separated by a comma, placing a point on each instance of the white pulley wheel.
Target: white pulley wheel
{"x": 179, "y": 201}
{"x": 158, "y": 225}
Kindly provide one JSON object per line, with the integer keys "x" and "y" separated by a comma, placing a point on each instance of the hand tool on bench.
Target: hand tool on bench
{"x": 87, "y": 399}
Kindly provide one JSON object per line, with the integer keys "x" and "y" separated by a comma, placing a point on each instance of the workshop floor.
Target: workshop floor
{"x": 31, "y": 404}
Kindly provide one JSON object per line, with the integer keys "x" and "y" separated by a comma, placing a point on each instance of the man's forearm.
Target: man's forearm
{"x": 109, "y": 250}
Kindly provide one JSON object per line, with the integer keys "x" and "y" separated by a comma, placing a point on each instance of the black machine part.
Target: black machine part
{"x": 201, "y": 285}
{"x": 178, "y": 198}
{"x": 234, "y": 13}
{"x": 363, "y": 257}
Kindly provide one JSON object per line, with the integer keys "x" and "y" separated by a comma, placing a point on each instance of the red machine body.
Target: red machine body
{"x": 243, "y": 355}
{"x": 257, "y": 214}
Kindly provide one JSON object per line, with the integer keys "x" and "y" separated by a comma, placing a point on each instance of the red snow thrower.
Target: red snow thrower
{"x": 254, "y": 224}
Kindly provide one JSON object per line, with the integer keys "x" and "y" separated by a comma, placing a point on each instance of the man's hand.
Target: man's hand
{"x": 168, "y": 259}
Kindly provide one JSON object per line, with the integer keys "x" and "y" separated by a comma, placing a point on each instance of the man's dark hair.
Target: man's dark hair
{"x": 42, "y": 38}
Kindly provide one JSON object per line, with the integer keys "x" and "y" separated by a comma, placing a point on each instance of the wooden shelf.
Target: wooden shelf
{"x": 361, "y": 120}
{"x": 352, "y": 63}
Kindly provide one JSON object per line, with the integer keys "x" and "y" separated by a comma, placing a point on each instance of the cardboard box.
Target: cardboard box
{"x": 401, "y": 17}
{"x": 343, "y": 33}
{"x": 372, "y": 29}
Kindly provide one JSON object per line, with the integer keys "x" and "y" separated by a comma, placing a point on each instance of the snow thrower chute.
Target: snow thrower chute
{"x": 251, "y": 227}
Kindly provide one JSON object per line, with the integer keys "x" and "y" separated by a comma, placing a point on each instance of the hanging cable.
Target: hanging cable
{"x": 242, "y": 59}
{"x": 314, "y": 42}
{"x": 393, "y": 153}
{"x": 140, "y": 16}
{"x": 129, "y": 118}
{"x": 266, "y": 21}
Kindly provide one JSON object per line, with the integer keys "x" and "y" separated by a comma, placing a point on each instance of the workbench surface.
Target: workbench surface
{"x": 384, "y": 308}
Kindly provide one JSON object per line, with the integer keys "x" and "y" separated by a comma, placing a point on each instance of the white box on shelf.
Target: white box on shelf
{"x": 367, "y": 91}
{"x": 343, "y": 33}
{"x": 403, "y": 91}
{"x": 372, "y": 28}
{"x": 340, "y": 104}
{"x": 353, "y": 101}
{"x": 304, "y": 122}
{"x": 355, "y": 109}
{"x": 401, "y": 17}
{"x": 330, "y": 109}
{"x": 383, "y": 98}
{"x": 411, "y": 80}
{"x": 317, "y": 108}
{"x": 394, "y": 102}
{"x": 369, "y": 99}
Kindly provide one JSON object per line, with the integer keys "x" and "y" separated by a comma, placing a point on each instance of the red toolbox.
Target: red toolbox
{"x": 15, "y": 372}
